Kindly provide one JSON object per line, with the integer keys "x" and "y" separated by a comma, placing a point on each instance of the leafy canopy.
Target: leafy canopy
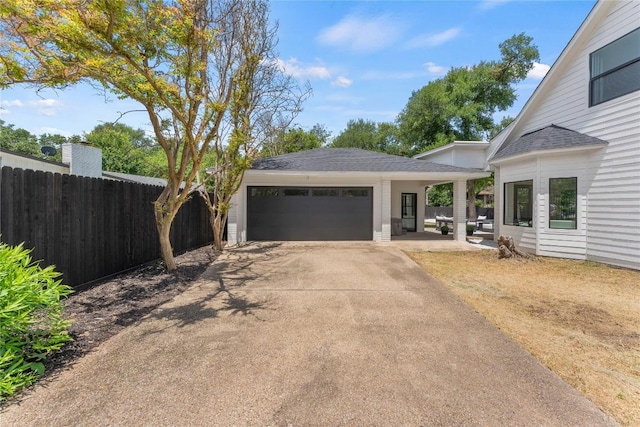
{"x": 461, "y": 105}
{"x": 369, "y": 135}
{"x": 192, "y": 65}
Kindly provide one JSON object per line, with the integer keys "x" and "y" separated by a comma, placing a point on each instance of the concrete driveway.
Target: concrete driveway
{"x": 309, "y": 334}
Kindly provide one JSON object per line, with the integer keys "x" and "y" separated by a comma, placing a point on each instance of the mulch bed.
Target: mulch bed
{"x": 110, "y": 305}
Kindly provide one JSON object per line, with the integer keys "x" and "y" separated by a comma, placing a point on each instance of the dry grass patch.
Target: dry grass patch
{"x": 580, "y": 319}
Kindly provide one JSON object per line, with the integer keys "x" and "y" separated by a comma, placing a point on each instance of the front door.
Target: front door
{"x": 409, "y": 202}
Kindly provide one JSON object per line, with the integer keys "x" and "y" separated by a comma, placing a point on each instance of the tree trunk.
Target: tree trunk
{"x": 507, "y": 249}
{"x": 165, "y": 213}
{"x": 471, "y": 198}
{"x": 217, "y": 226}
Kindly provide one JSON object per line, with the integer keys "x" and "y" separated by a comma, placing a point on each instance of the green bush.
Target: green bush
{"x": 31, "y": 321}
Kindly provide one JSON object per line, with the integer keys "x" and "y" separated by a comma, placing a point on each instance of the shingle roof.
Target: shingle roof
{"x": 350, "y": 160}
{"x": 548, "y": 138}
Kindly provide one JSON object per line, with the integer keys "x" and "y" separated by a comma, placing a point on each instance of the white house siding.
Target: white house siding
{"x": 524, "y": 237}
{"x": 444, "y": 157}
{"x": 560, "y": 242}
{"x": 612, "y": 204}
{"x": 459, "y": 153}
{"x": 470, "y": 158}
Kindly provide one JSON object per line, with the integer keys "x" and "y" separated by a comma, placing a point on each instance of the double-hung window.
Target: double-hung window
{"x": 615, "y": 69}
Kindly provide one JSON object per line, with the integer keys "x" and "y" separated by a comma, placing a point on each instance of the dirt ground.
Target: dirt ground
{"x": 580, "y": 319}
{"x": 111, "y": 305}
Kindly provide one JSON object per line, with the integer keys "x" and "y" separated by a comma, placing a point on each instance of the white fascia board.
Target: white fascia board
{"x": 548, "y": 153}
{"x": 402, "y": 176}
{"x": 476, "y": 145}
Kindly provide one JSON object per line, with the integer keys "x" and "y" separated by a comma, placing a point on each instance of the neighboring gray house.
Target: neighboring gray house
{"x": 339, "y": 194}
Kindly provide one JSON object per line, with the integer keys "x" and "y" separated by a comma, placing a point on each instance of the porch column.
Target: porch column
{"x": 236, "y": 233}
{"x": 460, "y": 210}
{"x": 497, "y": 204}
{"x": 386, "y": 211}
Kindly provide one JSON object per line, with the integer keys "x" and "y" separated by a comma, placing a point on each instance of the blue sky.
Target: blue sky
{"x": 363, "y": 59}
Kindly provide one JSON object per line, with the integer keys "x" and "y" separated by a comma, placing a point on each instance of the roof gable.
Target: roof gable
{"x": 573, "y": 48}
{"x": 349, "y": 160}
{"x": 548, "y": 138}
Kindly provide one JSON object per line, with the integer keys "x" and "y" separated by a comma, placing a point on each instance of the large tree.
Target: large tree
{"x": 124, "y": 149}
{"x": 23, "y": 141}
{"x": 264, "y": 99}
{"x": 296, "y": 139}
{"x": 369, "y": 135}
{"x": 462, "y": 104}
{"x": 18, "y": 140}
{"x": 192, "y": 65}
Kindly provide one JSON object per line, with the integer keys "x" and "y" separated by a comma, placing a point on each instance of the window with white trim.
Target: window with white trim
{"x": 563, "y": 203}
{"x": 518, "y": 203}
{"x": 615, "y": 69}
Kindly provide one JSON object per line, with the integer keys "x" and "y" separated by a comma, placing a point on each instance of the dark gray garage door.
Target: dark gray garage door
{"x": 309, "y": 213}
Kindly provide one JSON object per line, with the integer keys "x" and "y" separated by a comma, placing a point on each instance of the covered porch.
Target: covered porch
{"x": 407, "y": 218}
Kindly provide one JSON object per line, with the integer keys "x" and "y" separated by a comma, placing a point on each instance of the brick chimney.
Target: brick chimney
{"x": 83, "y": 159}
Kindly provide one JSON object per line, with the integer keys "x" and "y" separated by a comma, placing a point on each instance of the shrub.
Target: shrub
{"x": 31, "y": 321}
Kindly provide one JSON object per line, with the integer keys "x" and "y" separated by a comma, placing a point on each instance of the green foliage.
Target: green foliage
{"x": 31, "y": 320}
{"x": 297, "y": 139}
{"x": 440, "y": 195}
{"x": 22, "y": 141}
{"x": 18, "y": 140}
{"x": 126, "y": 150}
{"x": 369, "y": 135}
{"x": 195, "y": 68}
{"x": 499, "y": 127}
{"x": 461, "y": 105}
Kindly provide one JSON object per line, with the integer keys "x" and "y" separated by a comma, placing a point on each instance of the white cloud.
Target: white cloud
{"x": 430, "y": 40}
{"x": 434, "y": 69}
{"x": 46, "y": 107}
{"x": 361, "y": 35}
{"x": 45, "y": 103}
{"x": 490, "y": 4}
{"x": 538, "y": 71}
{"x": 294, "y": 68}
{"x": 8, "y": 104}
{"x": 341, "y": 81}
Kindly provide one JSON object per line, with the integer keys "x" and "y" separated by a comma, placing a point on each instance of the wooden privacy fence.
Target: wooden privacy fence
{"x": 90, "y": 228}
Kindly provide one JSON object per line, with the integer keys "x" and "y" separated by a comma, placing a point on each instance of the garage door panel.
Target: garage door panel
{"x": 309, "y": 213}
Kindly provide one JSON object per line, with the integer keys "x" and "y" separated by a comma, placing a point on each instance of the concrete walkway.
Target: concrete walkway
{"x": 309, "y": 334}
